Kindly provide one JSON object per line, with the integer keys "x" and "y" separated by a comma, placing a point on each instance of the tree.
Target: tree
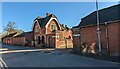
{"x": 10, "y": 27}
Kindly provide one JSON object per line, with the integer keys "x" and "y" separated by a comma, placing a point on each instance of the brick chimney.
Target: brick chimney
{"x": 39, "y": 17}
{"x": 48, "y": 14}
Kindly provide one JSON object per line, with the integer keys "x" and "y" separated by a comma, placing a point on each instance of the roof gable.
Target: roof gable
{"x": 10, "y": 35}
{"x": 43, "y": 21}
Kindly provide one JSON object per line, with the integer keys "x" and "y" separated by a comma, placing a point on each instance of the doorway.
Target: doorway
{"x": 48, "y": 41}
{"x": 43, "y": 40}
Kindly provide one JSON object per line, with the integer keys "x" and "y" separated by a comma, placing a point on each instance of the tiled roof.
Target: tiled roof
{"x": 105, "y": 15}
{"x": 23, "y": 34}
{"x": 10, "y": 35}
{"x": 44, "y": 21}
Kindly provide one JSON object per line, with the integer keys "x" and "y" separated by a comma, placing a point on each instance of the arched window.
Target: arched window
{"x": 69, "y": 37}
{"x": 43, "y": 39}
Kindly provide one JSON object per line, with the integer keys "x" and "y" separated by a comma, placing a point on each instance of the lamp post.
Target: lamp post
{"x": 98, "y": 28}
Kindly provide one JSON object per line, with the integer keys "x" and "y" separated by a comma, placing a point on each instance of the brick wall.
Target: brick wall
{"x": 113, "y": 38}
{"x": 48, "y": 29}
{"x": 76, "y": 40}
{"x": 19, "y": 41}
{"x": 24, "y": 40}
{"x": 89, "y": 35}
{"x": 8, "y": 40}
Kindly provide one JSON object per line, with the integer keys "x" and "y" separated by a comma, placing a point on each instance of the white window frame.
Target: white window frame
{"x": 53, "y": 27}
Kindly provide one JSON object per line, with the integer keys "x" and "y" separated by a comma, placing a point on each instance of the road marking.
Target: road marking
{"x": 15, "y": 51}
{"x": 3, "y": 49}
{"x": 2, "y": 63}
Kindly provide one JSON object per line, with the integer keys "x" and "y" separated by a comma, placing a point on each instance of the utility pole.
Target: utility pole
{"x": 98, "y": 28}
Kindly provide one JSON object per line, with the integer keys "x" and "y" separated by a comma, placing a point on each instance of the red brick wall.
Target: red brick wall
{"x": 48, "y": 29}
{"x": 50, "y": 41}
{"x": 29, "y": 37}
{"x": 113, "y": 38}
{"x": 76, "y": 40}
{"x": 118, "y": 39}
{"x": 8, "y": 40}
{"x": 19, "y": 41}
{"x": 89, "y": 35}
{"x": 62, "y": 42}
{"x": 44, "y": 32}
{"x": 22, "y": 40}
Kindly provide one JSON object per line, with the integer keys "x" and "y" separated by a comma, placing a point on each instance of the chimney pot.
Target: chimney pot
{"x": 48, "y": 14}
{"x": 39, "y": 17}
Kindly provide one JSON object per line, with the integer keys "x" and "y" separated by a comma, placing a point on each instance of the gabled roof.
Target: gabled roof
{"x": 10, "y": 35}
{"x": 105, "y": 15}
{"x": 23, "y": 34}
{"x": 43, "y": 21}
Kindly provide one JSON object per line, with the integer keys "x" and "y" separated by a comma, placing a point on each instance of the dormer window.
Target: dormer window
{"x": 53, "y": 27}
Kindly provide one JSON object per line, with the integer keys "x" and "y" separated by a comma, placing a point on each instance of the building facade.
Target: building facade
{"x": 48, "y": 32}
{"x": 109, "y": 31}
{"x": 8, "y": 39}
{"x": 24, "y": 39}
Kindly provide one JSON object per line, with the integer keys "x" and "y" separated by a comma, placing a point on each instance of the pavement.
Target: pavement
{"x": 31, "y": 57}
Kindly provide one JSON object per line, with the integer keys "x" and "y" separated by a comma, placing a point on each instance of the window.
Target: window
{"x": 35, "y": 38}
{"x": 53, "y": 27}
{"x": 39, "y": 40}
{"x": 36, "y": 28}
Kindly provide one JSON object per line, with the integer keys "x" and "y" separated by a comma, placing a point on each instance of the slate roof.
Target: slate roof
{"x": 107, "y": 14}
{"x": 10, "y": 35}
{"x": 23, "y": 34}
{"x": 43, "y": 21}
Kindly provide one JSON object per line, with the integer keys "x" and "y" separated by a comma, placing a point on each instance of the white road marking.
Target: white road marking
{"x": 2, "y": 63}
{"x": 3, "y": 49}
{"x": 15, "y": 51}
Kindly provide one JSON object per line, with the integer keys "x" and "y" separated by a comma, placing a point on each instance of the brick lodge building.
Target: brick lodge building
{"x": 48, "y": 32}
{"x": 86, "y": 31}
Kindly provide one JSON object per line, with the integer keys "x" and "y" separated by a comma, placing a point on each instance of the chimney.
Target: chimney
{"x": 48, "y": 14}
{"x": 65, "y": 25}
{"x": 39, "y": 17}
{"x": 62, "y": 25}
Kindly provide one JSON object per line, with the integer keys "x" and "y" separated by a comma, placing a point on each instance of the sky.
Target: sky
{"x": 68, "y": 13}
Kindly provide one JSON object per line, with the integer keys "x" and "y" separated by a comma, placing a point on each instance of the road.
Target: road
{"x": 49, "y": 58}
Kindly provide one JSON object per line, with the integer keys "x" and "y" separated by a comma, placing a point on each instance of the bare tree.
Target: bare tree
{"x": 10, "y": 27}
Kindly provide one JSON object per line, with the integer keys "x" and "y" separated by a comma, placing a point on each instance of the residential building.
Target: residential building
{"x": 48, "y": 32}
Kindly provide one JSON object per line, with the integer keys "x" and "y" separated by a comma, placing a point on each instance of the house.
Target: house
{"x": 23, "y": 39}
{"x": 86, "y": 33}
{"x": 48, "y": 32}
{"x": 8, "y": 39}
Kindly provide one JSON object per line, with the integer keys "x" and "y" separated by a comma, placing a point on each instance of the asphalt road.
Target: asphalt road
{"x": 49, "y": 58}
